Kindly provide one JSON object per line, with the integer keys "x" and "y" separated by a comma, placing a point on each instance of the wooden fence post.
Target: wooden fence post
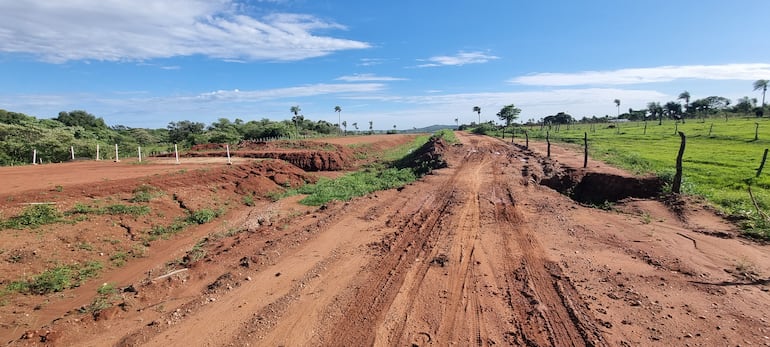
{"x": 677, "y": 185}
{"x": 756, "y": 132}
{"x": 645, "y": 128}
{"x": 526, "y": 135}
{"x": 585, "y": 151}
{"x": 762, "y": 165}
{"x": 711, "y": 128}
{"x": 548, "y": 142}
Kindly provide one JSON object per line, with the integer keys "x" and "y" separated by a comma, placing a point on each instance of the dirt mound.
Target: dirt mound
{"x": 307, "y": 155}
{"x": 427, "y": 158}
{"x": 209, "y": 147}
{"x": 597, "y": 187}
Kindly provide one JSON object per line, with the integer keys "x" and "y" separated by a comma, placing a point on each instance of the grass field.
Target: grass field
{"x": 720, "y": 161}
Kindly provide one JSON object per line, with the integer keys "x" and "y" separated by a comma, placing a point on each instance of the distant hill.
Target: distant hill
{"x": 429, "y": 129}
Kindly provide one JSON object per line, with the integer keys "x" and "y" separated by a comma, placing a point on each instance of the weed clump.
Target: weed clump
{"x": 32, "y": 217}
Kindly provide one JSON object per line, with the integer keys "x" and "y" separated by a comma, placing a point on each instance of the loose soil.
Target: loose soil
{"x": 478, "y": 253}
{"x": 307, "y": 155}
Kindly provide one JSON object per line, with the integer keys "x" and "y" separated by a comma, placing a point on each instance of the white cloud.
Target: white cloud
{"x": 433, "y": 108}
{"x": 367, "y": 77}
{"x": 461, "y": 58}
{"x": 371, "y": 61}
{"x": 123, "y": 30}
{"x": 648, "y": 75}
{"x": 289, "y": 92}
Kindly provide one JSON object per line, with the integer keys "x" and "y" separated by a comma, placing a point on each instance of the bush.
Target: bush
{"x": 144, "y": 193}
{"x": 33, "y": 217}
{"x": 203, "y": 216}
{"x": 58, "y": 278}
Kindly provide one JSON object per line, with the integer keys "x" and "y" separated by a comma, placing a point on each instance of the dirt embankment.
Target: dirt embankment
{"x": 307, "y": 155}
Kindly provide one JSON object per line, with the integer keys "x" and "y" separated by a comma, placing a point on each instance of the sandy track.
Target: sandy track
{"x": 474, "y": 255}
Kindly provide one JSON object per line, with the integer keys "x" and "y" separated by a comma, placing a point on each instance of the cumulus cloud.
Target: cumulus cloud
{"x": 461, "y": 58}
{"x": 367, "y": 77}
{"x": 124, "y": 30}
{"x": 648, "y": 75}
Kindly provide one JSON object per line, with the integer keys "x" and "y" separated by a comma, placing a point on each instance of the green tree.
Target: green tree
{"x": 186, "y": 132}
{"x": 617, "y": 104}
{"x": 672, "y": 109}
{"x": 655, "y": 110}
{"x": 339, "y": 111}
{"x": 355, "y": 125}
{"x": 477, "y": 110}
{"x": 685, "y": 95}
{"x": 371, "y": 127}
{"x": 345, "y": 126}
{"x": 296, "y": 119}
{"x": 559, "y": 118}
{"x": 508, "y": 114}
{"x": 761, "y": 84}
{"x": 744, "y": 105}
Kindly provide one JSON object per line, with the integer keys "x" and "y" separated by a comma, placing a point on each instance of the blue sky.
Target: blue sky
{"x": 144, "y": 63}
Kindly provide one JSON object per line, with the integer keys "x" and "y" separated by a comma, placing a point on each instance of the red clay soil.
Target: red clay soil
{"x": 307, "y": 155}
{"x": 478, "y": 253}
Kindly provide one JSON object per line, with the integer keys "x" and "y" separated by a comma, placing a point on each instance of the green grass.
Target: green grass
{"x": 378, "y": 176}
{"x": 203, "y": 216}
{"x": 401, "y": 151}
{"x": 106, "y": 295}
{"x": 718, "y": 167}
{"x": 115, "y": 209}
{"x": 145, "y": 193}
{"x": 33, "y": 217}
{"x": 355, "y": 184}
{"x": 57, "y": 279}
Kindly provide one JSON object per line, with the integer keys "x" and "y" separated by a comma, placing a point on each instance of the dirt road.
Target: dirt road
{"x": 476, "y": 254}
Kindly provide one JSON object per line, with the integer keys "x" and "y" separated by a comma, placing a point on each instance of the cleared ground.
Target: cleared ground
{"x": 476, "y": 254}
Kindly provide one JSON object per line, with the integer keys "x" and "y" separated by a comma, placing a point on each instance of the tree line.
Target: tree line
{"x": 20, "y": 134}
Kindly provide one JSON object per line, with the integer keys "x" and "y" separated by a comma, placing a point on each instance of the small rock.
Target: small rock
{"x": 636, "y": 303}
{"x": 248, "y": 278}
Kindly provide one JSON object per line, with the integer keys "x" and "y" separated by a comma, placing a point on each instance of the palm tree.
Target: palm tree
{"x": 685, "y": 95}
{"x": 295, "y": 110}
{"x": 477, "y": 110}
{"x": 457, "y": 121}
{"x": 345, "y": 125}
{"x": 617, "y": 104}
{"x": 371, "y": 127}
{"x": 761, "y": 84}
{"x": 338, "y": 110}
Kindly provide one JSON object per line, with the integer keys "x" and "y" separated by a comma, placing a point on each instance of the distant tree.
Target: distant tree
{"x": 508, "y": 114}
{"x": 8, "y": 117}
{"x": 371, "y": 127}
{"x": 617, "y": 104}
{"x": 345, "y": 126}
{"x": 559, "y": 118}
{"x": 685, "y": 95}
{"x": 355, "y": 125}
{"x": 761, "y": 84}
{"x": 186, "y": 132}
{"x": 339, "y": 111}
{"x": 672, "y": 109}
{"x": 296, "y": 119}
{"x": 457, "y": 121}
{"x": 477, "y": 110}
{"x": 743, "y": 105}
{"x": 655, "y": 109}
